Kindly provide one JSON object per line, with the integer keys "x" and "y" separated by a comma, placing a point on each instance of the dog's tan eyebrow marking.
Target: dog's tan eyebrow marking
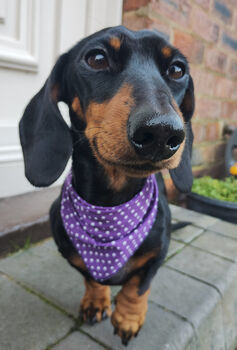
{"x": 76, "y": 107}
{"x": 115, "y": 42}
{"x": 166, "y": 51}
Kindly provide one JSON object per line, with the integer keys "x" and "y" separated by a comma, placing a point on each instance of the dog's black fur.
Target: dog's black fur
{"x": 134, "y": 59}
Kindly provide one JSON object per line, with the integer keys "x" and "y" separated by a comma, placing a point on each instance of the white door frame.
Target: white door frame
{"x": 23, "y": 64}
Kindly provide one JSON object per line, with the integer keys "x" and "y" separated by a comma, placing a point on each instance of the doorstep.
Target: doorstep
{"x": 24, "y": 219}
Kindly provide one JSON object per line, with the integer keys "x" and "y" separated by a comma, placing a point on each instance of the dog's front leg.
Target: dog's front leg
{"x": 130, "y": 312}
{"x": 95, "y": 305}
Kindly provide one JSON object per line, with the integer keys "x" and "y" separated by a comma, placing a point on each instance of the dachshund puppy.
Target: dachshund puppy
{"x": 130, "y": 99}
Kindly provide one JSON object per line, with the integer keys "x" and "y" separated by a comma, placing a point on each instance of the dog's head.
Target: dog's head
{"x": 131, "y": 95}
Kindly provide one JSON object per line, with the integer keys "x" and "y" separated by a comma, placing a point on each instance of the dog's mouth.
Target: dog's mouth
{"x": 130, "y": 167}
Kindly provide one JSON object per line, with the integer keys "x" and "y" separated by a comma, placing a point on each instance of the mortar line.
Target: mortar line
{"x": 214, "y": 254}
{"x": 49, "y": 347}
{"x": 105, "y": 346}
{"x": 37, "y": 294}
{"x": 196, "y": 278}
{"x": 183, "y": 318}
{"x": 223, "y": 235}
{"x": 212, "y": 286}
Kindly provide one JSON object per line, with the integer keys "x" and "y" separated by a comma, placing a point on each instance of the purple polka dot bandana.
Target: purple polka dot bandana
{"x": 106, "y": 237}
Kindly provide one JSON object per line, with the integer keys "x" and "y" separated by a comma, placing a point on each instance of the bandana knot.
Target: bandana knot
{"x": 106, "y": 237}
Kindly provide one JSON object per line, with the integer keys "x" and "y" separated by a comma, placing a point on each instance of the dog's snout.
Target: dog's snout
{"x": 156, "y": 138}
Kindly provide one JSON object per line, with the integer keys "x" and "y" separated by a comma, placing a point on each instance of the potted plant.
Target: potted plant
{"x": 214, "y": 197}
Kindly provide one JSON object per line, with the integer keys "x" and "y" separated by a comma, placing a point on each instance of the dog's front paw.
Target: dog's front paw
{"x": 95, "y": 305}
{"x": 130, "y": 312}
{"x": 127, "y": 325}
{"x": 94, "y": 310}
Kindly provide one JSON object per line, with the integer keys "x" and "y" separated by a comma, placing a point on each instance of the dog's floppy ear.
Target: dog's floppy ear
{"x": 182, "y": 175}
{"x": 44, "y": 135}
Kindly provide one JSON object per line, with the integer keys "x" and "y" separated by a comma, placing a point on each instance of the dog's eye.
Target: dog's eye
{"x": 97, "y": 59}
{"x": 176, "y": 71}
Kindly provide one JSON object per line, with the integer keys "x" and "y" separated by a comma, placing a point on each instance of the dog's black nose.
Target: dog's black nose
{"x": 156, "y": 138}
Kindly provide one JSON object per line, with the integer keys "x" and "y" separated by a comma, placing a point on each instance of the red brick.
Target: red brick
{"x": 223, "y": 88}
{"x": 177, "y": 11}
{"x": 203, "y": 25}
{"x": 233, "y": 94}
{"x": 233, "y": 69}
{"x": 191, "y": 47}
{"x": 129, "y": 5}
{"x": 229, "y": 110}
{"x": 207, "y": 132}
{"x": 235, "y": 20}
{"x": 223, "y": 11}
{"x": 213, "y": 131}
{"x": 216, "y": 60}
{"x": 229, "y": 41}
{"x": 204, "y": 3}
{"x": 208, "y": 108}
{"x": 204, "y": 82}
{"x": 160, "y": 26}
{"x": 214, "y": 170}
{"x": 213, "y": 152}
{"x": 134, "y": 22}
{"x": 208, "y": 153}
{"x": 199, "y": 131}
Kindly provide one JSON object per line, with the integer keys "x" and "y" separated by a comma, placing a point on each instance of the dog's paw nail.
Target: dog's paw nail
{"x": 92, "y": 320}
{"x": 104, "y": 315}
{"x": 136, "y": 334}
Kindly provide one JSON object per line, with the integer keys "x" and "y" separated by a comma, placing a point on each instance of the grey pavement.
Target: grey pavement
{"x": 192, "y": 305}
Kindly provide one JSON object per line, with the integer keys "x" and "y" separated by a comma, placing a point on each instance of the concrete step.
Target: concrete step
{"x": 24, "y": 219}
{"x": 192, "y": 304}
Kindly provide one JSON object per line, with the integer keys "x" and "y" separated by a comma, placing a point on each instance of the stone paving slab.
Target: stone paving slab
{"x": 26, "y": 322}
{"x": 161, "y": 331}
{"x": 174, "y": 248}
{"x": 18, "y": 226}
{"x": 208, "y": 268}
{"x": 182, "y": 294}
{"x": 193, "y": 303}
{"x": 187, "y": 234}
{"x": 219, "y": 273}
{"x": 217, "y": 244}
{"x": 44, "y": 270}
{"x": 224, "y": 228}
{"x": 194, "y": 217}
{"x": 77, "y": 341}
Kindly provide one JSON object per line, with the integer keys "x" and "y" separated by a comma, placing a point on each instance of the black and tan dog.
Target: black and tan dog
{"x": 130, "y": 98}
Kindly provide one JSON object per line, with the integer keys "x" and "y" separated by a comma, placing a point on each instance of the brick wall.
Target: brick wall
{"x": 206, "y": 32}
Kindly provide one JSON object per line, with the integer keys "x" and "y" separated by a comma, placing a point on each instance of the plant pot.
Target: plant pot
{"x": 221, "y": 209}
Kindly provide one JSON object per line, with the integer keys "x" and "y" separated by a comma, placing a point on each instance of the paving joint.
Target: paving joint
{"x": 40, "y": 296}
{"x": 214, "y": 254}
{"x": 183, "y": 318}
{"x": 194, "y": 295}
{"x": 95, "y": 339}
{"x": 51, "y": 346}
{"x": 196, "y": 279}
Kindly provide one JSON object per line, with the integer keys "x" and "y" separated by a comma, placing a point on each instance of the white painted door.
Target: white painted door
{"x": 32, "y": 34}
